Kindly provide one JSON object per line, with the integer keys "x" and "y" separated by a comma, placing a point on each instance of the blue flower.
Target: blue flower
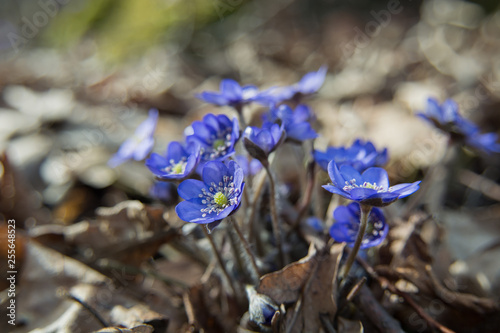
{"x": 178, "y": 162}
{"x": 232, "y": 94}
{"x": 163, "y": 191}
{"x": 446, "y": 118}
{"x": 347, "y": 224}
{"x": 139, "y": 145}
{"x": 216, "y": 135}
{"x": 361, "y": 156}
{"x": 296, "y": 122}
{"x": 370, "y": 188}
{"x": 309, "y": 84}
{"x": 249, "y": 167}
{"x": 214, "y": 198}
{"x": 260, "y": 142}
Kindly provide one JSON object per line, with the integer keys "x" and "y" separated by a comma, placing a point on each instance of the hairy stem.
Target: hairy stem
{"x": 254, "y": 271}
{"x": 365, "y": 212}
{"x": 219, "y": 261}
{"x": 274, "y": 217}
{"x": 252, "y": 225}
{"x": 306, "y": 199}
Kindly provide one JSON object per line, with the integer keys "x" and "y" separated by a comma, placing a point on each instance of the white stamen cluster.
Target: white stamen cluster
{"x": 219, "y": 196}
{"x": 220, "y": 145}
{"x": 176, "y": 167}
{"x": 350, "y": 185}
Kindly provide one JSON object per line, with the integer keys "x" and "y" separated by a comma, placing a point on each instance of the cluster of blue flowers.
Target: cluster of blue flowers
{"x": 461, "y": 130}
{"x": 209, "y": 151}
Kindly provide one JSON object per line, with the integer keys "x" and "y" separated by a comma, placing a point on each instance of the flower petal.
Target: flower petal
{"x": 231, "y": 89}
{"x": 175, "y": 151}
{"x": 376, "y": 176}
{"x": 404, "y": 190}
{"x": 190, "y": 189}
{"x": 350, "y": 174}
{"x": 213, "y": 98}
{"x": 213, "y": 172}
{"x": 336, "y": 190}
{"x": 191, "y": 212}
{"x": 334, "y": 173}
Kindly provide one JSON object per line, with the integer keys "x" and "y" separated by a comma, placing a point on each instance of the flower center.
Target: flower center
{"x": 350, "y": 185}
{"x": 220, "y": 199}
{"x": 219, "y": 144}
{"x": 176, "y": 168}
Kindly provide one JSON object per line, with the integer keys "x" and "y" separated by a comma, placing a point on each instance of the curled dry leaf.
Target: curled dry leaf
{"x": 311, "y": 284}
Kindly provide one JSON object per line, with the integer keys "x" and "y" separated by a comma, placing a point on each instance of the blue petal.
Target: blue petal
{"x": 335, "y": 175}
{"x": 224, "y": 121}
{"x": 231, "y": 89}
{"x": 433, "y": 110}
{"x": 449, "y": 111}
{"x": 376, "y": 176}
{"x": 212, "y": 121}
{"x": 336, "y": 190}
{"x": 147, "y": 127}
{"x": 339, "y": 232}
{"x": 175, "y": 151}
{"x": 191, "y": 212}
{"x": 349, "y": 174}
{"x": 213, "y": 98}
{"x": 302, "y": 113}
{"x": 342, "y": 214}
{"x": 237, "y": 172}
{"x": 155, "y": 162}
{"x": 264, "y": 140}
{"x": 301, "y": 132}
{"x": 143, "y": 148}
{"x": 213, "y": 172}
{"x": 311, "y": 82}
{"x": 359, "y": 194}
{"x": 190, "y": 189}
{"x": 404, "y": 190}
{"x": 202, "y": 131}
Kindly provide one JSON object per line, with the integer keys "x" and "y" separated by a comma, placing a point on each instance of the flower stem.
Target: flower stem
{"x": 255, "y": 275}
{"x": 219, "y": 261}
{"x": 365, "y": 212}
{"x": 253, "y": 231}
{"x": 274, "y": 217}
{"x": 239, "y": 110}
{"x": 306, "y": 199}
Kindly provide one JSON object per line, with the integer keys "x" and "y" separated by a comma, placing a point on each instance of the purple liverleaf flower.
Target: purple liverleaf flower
{"x": 232, "y": 94}
{"x": 216, "y": 135}
{"x": 139, "y": 145}
{"x": 371, "y": 188}
{"x": 163, "y": 191}
{"x": 309, "y": 84}
{"x": 347, "y": 222}
{"x": 446, "y": 118}
{"x": 214, "y": 198}
{"x": 360, "y": 155}
{"x": 177, "y": 163}
{"x": 250, "y": 167}
{"x": 296, "y": 122}
{"x": 260, "y": 142}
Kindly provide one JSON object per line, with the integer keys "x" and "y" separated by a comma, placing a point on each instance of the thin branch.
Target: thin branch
{"x": 274, "y": 218}
{"x": 386, "y": 284}
{"x": 365, "y": 212}
{"x": 219, "y": 260}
